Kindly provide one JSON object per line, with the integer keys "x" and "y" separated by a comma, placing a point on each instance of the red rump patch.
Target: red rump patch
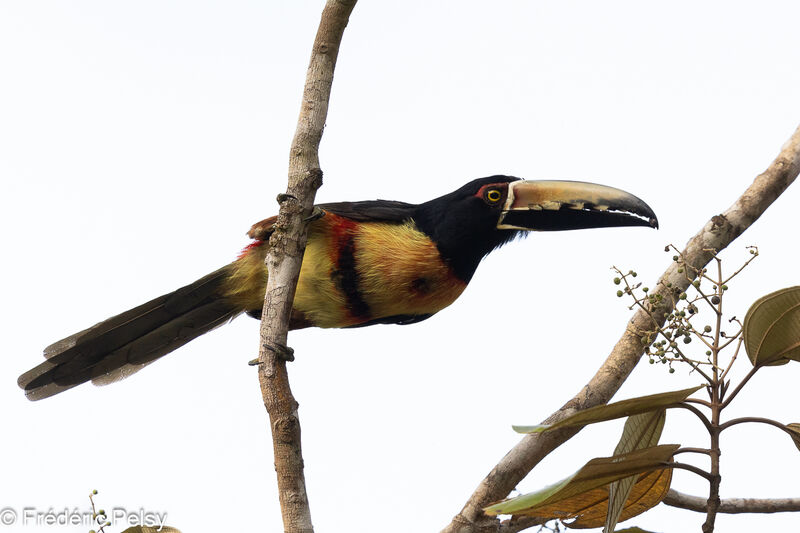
{"x": 250, "y": 247}
{"x": 342, "y": 231}
{"x": 345, "y": 275}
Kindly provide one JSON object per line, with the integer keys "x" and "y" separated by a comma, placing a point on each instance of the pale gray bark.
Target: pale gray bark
{"x": 287, "y": 245}
{"x": 733, "y": 505}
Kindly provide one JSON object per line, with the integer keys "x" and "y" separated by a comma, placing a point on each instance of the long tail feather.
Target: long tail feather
{"x": 121, "y": 345}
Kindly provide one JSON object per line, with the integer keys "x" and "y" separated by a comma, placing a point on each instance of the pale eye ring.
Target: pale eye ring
{"x": 493, "y": 196}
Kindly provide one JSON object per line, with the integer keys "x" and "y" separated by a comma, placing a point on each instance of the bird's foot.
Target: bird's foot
{"x": 316, "y": 214}
{"x": 283, "y": 197}
{"x": 281, "y": 351}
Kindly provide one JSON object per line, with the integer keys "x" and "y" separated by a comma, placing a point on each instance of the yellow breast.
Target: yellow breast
{"x": 402, "y": 272}
{"x": 353, "y": 272}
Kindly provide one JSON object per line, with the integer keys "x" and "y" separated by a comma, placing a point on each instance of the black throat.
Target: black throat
{"x": 463, "y": 227}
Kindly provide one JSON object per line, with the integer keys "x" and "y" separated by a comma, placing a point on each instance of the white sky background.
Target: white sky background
{"x": 139, "y": 141}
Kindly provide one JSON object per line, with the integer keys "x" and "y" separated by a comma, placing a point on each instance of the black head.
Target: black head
{"x": 486, "y": 213}
{"x": 463, "y": 223}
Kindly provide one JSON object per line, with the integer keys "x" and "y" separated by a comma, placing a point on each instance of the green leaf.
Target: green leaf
{"x": 795, "y": 429}
{"x": 601, "y": 413}
{"x": 772, "y": 328}
{"x": 570, "y": 497}
{"x": 640, "y": 431}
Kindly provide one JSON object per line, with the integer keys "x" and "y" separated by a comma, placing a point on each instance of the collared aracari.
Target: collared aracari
{"x": 373, "y": 262}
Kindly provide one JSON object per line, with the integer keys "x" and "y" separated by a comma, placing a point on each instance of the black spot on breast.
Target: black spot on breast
{"x": 420, "y": 286}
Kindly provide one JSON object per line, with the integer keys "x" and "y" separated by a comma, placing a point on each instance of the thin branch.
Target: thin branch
{"x": 659, "y": 326}
{"x": 730, "y": 363}
{"x": 691, "y": 468}
{"x": 704, "y": 451}
{"x": 741, "y": 384}
{"x": 287, "y": 245}
{"x": 702, "y": 417}
{"x": 744, "y": 265}
{"x": 704, "y": 403}
{"x": 731, "y": 339}
{"x": 717, "y": 234}
{"x": 757, "y": 420}
{"x": 704, "y": 296}
{"x": 733, "y": 505}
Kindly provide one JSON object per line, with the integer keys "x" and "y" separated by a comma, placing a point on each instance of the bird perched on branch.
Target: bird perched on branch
{"x": 372, "y": 262}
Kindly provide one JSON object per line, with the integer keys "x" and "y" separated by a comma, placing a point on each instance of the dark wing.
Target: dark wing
{"x": 378, "y": 210}
{"x": 402, "y": 320}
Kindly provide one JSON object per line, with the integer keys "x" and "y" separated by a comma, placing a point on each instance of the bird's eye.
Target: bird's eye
{"x": 493, "y": 196}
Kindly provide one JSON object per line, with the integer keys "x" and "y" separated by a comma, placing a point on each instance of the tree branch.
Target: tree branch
{"x": 756, "y": 420}
{"x": 741, "y": 384}
{"x": 691, "y": 468}
{"x": 717, "y": 234}
{"x": 698, "y": 413}
{"x": 733, "y": 505}
{"x": 287, "y": 245}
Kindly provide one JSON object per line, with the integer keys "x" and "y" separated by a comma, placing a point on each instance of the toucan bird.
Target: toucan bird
{"x": 372, "y": 262}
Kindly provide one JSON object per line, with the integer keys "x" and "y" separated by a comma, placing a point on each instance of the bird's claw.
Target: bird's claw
{"x": 281, "y": 351}
{"x": 282, "y": 197}
{"x": 316, "y": 214}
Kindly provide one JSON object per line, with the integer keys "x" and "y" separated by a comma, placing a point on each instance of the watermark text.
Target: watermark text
{"x": 118, "y": 516}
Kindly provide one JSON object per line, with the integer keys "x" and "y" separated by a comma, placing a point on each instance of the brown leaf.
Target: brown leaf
{"x": 573, "y": 496}
{"x": 646, "y": 493}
